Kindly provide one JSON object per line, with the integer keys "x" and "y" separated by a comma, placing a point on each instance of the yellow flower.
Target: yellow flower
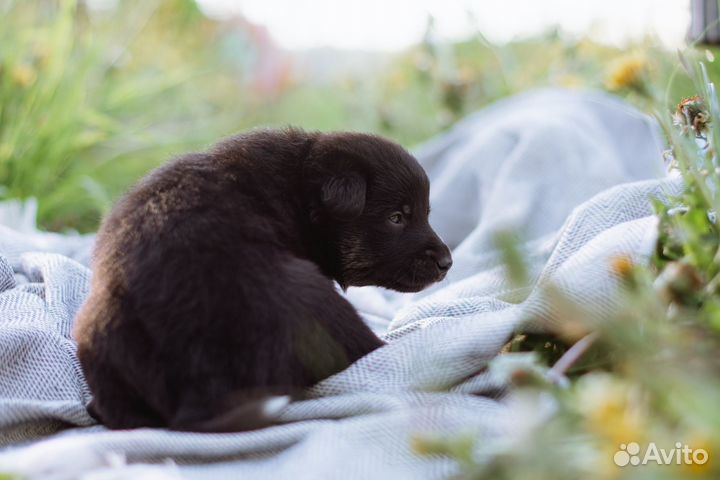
{"x": 626, "y": 72}
{"x": 622, "y": 265}
{"x": 23, "y": 75}
{"x": 702, "y": 441}
{"x": 612, "y": 409}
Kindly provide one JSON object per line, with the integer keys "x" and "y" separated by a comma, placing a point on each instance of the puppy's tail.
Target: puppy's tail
{"x": 246, "y": 415}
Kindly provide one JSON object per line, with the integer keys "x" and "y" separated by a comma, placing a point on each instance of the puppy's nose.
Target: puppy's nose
{"x": 442, "y": 258}
{"x": 444, "y": 262}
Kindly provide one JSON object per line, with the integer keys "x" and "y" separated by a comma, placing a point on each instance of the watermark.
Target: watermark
{"x": 632, "y": 454}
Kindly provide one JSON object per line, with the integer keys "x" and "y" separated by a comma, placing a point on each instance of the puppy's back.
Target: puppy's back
{"x": 198, "y": 310}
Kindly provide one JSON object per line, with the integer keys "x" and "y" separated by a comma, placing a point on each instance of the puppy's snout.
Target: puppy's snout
{"x": 444, "y": 262}
{"x": 442, "y": 257}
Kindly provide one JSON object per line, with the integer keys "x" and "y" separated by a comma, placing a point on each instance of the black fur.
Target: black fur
{"x": 213, "y": 278}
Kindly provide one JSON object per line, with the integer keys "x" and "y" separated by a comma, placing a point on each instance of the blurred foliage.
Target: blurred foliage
{"x": 648, "y": 372}
{"x": 86, "y": 107}
{"x": 90, "y": 100}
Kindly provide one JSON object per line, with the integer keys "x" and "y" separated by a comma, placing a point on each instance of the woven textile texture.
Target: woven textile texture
{"x": 571, "y": 172}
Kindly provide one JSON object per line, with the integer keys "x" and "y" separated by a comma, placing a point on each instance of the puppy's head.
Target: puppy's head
{"x": 372, "y": 205}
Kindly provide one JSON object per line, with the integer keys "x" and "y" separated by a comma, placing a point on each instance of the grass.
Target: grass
{"x": 89, "y": 103}
{"x": 650, "y": 372}
{"x": 78, "y": 124}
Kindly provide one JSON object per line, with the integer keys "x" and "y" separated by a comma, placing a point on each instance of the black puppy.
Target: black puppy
{"x": 212, "y": 287}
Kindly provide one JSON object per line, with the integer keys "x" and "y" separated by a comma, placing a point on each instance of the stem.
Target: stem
{"x": 556, "y": 374}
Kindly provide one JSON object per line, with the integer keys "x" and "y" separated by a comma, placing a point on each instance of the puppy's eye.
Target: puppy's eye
{"x": 396, "y": 218}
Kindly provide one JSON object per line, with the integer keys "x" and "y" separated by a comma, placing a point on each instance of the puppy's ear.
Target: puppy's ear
{"x": 343, "y": 196}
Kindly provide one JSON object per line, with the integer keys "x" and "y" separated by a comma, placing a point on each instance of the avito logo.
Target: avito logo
{"x": 630, "y": 454}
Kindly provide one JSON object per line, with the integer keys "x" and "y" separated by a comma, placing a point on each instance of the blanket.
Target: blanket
{"x": 571, "y": 173}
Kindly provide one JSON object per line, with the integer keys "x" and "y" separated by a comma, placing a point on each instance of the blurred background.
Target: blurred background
{"x": 94, "y": 93}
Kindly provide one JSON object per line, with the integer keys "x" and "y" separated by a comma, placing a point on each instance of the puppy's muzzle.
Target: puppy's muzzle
{"x": 440, "y": 255}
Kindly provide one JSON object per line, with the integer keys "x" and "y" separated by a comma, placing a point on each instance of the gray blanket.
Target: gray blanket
{"x": 572, "y": 172}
